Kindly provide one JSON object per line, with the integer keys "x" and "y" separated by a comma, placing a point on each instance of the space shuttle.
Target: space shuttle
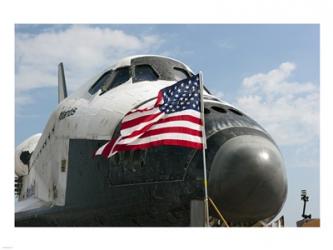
{"x": 60, "y": 181}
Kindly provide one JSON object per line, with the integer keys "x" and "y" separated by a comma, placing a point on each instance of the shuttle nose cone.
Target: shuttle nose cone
{"x": 247, "y": 179}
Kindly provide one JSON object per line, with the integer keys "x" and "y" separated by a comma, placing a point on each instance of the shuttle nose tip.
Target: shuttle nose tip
{"x": 247, "y": 179}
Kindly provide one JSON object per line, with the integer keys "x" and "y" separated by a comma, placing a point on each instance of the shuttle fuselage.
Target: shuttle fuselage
{"x": 63, "y": 183}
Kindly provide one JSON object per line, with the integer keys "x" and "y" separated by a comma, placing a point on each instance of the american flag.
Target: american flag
{"x": 173, "y": 119}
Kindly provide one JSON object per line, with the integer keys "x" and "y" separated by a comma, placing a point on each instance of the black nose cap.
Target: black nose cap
{"x": 248, "y": 180}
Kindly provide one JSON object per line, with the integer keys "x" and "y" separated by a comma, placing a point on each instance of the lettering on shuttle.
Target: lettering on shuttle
{"x": 67, "y": 113}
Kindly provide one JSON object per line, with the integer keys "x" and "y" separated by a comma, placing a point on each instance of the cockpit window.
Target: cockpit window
{"x": 144, "y": 73}
{"x": 100, "y": 82}
{"x": 167, "y": 69}
{"x": 118, "y": 77}
{"x": 121, "y": 75}
{"x": 180, "y": 74}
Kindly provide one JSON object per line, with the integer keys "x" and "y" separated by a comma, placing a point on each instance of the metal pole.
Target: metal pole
{"x": 204, "y": 150}
{"x": 304, "y": 205}
{"x": 219, "y": 213}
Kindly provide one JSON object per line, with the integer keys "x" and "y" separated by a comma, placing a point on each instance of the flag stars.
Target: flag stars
{"x": 181, "y": 96}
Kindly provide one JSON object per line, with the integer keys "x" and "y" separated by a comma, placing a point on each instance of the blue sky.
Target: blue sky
{"x": 269, "y": 71}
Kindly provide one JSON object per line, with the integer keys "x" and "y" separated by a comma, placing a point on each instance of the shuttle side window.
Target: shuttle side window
{"x": 180, "y": 74}
{"x": 100, "y": 82}
{"x": 144, "y": 73}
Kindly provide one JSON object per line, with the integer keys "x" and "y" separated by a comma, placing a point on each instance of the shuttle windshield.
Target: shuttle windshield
{"x": 151, "y": 68}
{"x": 144, "y": 73}
{"x": 100, "y": 82}
{"x": 111, "y": 79}
{"x": 120, "y": 76}
{"x": 146, "y": 68}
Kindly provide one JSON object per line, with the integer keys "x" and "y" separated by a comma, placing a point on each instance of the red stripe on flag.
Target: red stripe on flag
{"x": 106, "y": 151}
{"x": 138, "y": 120}
{"x": 172, "y": 142}
{"x": 168, "y": 119}
{"x": 182, "y": 130}
{"x": 188, "y": 118}
{"x": 159, "y": 99}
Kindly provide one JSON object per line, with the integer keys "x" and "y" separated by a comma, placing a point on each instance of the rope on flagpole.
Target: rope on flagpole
{"x": 204, "y": 151}
{"x": 218, "y": 212}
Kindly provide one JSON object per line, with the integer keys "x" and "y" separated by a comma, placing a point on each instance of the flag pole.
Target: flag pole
{"x": 204, "y": 151}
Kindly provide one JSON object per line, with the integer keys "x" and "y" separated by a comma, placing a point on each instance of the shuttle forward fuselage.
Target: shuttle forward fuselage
{"x": 152, "y": 187}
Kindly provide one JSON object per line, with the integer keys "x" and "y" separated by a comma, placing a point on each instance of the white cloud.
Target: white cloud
{"x": 85, "y": 50}
{"x": 288, "y": 110}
